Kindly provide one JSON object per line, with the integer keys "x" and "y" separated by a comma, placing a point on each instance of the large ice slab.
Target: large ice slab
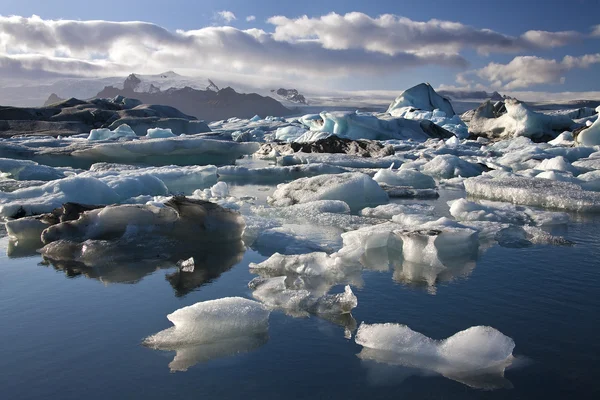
{"x": 464, "y": 210}
{"x": 106, "y": 186}
{"x": 26, "y": 170}
{"x": 534, "y": 192}
{"x": 355, "y": 189}
{"x": 476, "y": 356}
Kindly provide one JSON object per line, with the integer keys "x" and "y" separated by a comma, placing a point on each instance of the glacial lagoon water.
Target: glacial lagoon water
{"x": 77, "y": 333}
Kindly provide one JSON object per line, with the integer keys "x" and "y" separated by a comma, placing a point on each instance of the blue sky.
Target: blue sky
{"x": 508, "y": 17}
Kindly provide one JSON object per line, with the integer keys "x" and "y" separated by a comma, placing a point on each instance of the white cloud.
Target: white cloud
{"x": 250, "y": 18}
{"x": 391, "y": 34}
{"x": 226, "y": 16}
{"x": 596, "y": 31}
{"x": 526, "y": 71}
{"x": 146, "y": 47}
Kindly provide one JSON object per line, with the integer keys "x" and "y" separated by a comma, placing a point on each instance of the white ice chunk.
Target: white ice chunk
{"x": 289, "y": 133}
{"x": 591, "y": 135}
{"x": 212, "y": 329}
{"x": 219, "y": 189}
{"x": 387, "y": 211}
{"x": 211, "y": 321}
{"x": 404, "y": 177}
{"x": 355, "y": 189}
{"x": 448, "y": 166}
{"x": 464, "y": 356}
{"x": 159, "y": 133}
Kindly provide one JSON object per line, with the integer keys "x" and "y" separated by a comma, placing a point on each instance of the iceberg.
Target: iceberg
{"x": 422, "y": 97}
{"x": 518, "y": 120}
{"x": 591, "y": 135}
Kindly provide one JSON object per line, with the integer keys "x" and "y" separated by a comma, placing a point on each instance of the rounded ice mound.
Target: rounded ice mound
{"x": 474, "y": 349}
{"x": 448, "y": 166}
{"x": 157, "y": 133}
{"x": 212, "y": 321}
{"x": 422, "y": 97}
{"x": 404, "y": 177}
{"x": 358, "y": 190}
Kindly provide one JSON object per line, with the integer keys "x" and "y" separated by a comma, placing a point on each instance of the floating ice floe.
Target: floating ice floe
{"x": 355, "y": 189}
{"x": 26, "y": 170}
{"x": 404, "y": 177}
{"x": 464, "y": 210}
{"x": 534, "y": 192}
{"x": 476, "y": 357}
{"x": 276, "y": 173}
{"x": 106, "y": 185}
{"x": 447, "y": 166}
{"x": 355, "y": 125}
{"x": 387, "y": 211}
{"x": 159, "y": 133}
{"x": 275, "y": 293}
{"x": 131, "y": 232}
{"x": 81, "y": 153}
{"x": 122, "y": 131}
{"x": 212, "y": 329}
{"x": 340, "y": 160}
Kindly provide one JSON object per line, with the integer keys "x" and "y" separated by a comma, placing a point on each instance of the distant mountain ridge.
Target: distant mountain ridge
{"x": 471, "y": 95}
{"x": 209, "y": 103}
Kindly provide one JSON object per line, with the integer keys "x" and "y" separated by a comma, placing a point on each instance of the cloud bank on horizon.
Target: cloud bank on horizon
{"x": 303, "y": 48}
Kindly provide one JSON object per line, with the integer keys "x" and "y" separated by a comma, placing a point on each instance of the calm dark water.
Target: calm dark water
{"x": 79, "y": 337}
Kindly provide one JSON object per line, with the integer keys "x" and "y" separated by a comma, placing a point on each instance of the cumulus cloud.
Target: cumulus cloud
{"x": 391, "y": 34}
{"x": 526, "y": 71}
{"x": 596, "y": 31}
{"x": 226, "y": 16}
{"x": 331, "y": 45}
{"x": 148, "y": 47}
{"x": 250, "y": 18}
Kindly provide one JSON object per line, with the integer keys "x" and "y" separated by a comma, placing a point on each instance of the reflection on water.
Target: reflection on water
{"x": 188, "y": 355}
{"x": 209, "y": 264}
{"x": 425, "y": 275}
{"x": 390, "y": 368}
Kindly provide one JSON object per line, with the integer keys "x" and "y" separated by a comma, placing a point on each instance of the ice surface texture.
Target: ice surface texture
{"x": 534, "y": 192}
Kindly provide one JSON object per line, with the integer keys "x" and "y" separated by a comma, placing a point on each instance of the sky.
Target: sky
{"x": 508, "y": 46}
